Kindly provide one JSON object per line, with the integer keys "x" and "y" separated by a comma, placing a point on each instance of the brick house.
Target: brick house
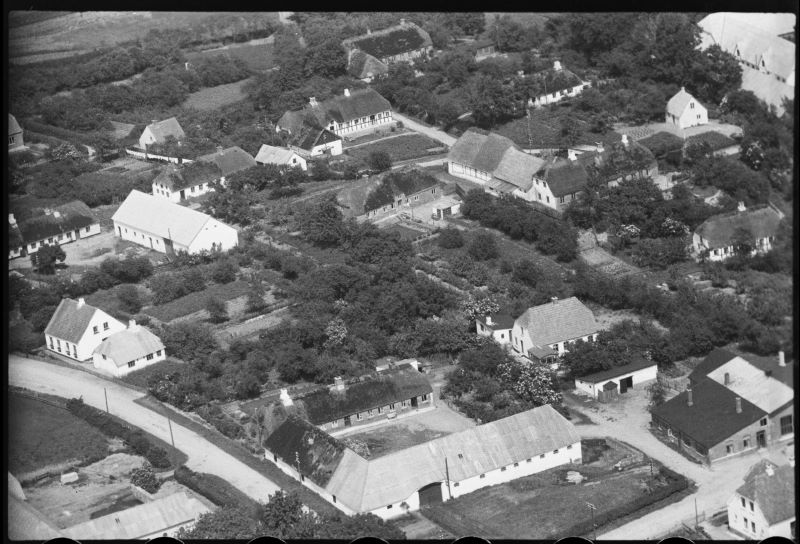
{"x": 546, "y": 331}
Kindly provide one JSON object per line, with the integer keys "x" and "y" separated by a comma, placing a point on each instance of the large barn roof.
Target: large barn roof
{"x": 168, "y": 127}
{"x": 395, "y": 40}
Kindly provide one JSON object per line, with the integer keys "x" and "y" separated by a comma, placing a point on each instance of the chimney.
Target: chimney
{"x": 402, "y": 22}
{"x": 186, "y": 65}
{"x": 312, "y": 100}
{"x": 727, "y": 378}
{"x": 689, "y": 400}
{"x": 599, "y": 146}
{"x": 369, "y": 32}
{"x": 11, "y": 220}
{"x": 738, "y": 405}
{"x": 132, "y": 324}
{"x": 781, "y": 358}
{"x": 81, "y": 302}
{"x": 338, "y": 383}
{"x": 683, "y": 89}
{"x": 286, "y": 400}
{"x": 557, "y": 66}
{"x": 219, "y": 149}
{"x": 741, "y": 207}
{"x": 571, "y": 155}
{"x": 770, "y": 470}
{"x": 625, "y": 140}
{"x": 153, "y": 121}
{"x": 56, "y": 214}
{"x": 488, "y": 320}
{"x": 347, "y": 92}
{"x": 554, "y": 299}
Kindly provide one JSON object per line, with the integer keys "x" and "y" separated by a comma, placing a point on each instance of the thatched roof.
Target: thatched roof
{"x": 719, "y": 230}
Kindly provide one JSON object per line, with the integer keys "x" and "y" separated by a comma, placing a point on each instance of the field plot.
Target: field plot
{"x": 400, "y": 148}
{"x": 195, "y": 302}
{"x": 41, "y": 435}
{"x": 545, "y": 126}
{"x": 558, "y": 504}
{"x": 213, "y": 98}
{"x": 257, "y": 56}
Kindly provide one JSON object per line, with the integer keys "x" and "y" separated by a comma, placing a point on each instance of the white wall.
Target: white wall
{"x": 644, "y": 375}
{"x": 59, "y": 239}
{"x": 699, "y": 245}
{"x": 362, "y": 124}
{"x": 501, "y": 336}
{"x": 335, "y": 148}
{"x": 214, "y": 232}
{"x": 539, "y": 192}
{"x": 143, "y": 238}
{"x": 108, "y": 364}
{"x": 89, "y": 340}
{"x": 466, "y": 172}
{"x": 737, "y": 514}
{"x": 552, "y": 98}
{"x": 692, "y": 117}
{"x": 175, "y": 196}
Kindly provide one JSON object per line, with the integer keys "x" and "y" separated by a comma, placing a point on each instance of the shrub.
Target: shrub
{"x": 145, "y": 478}
{"x": 214, "y": 488}
{"x": 138, "y": 442}
{"x": 379, "y": 160}
{"x": 224, "y": 271}
{"x": 158, "y": 457}
{"x": 227, "y": 427}
{"x": 129, "y": 299}
{"x": 483, "y": 246}
{"x": 450, "y": 238}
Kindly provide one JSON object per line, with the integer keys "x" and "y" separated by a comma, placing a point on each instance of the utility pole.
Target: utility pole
{"x": 592, "y": 508}
{"x": 106, "y": 395}
{"x": 172, "y": 438}
{"x": 447, "y": 475}
{"x": 696, "y": 523}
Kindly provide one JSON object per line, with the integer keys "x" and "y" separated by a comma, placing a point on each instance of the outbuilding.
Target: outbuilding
{"x": 606, "y": 384}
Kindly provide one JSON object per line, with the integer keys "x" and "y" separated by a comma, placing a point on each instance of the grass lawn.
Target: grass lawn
{"x": 504, "y": 511}
{"x": 212, "y": 98}
{"x": 107, "y": 300}
{"x": 40, "y": 435}
{"x": 195, "y": 302}
{"x": 258, "y": 57}
{"x": 140, "y": 377}
{"x": 400, "y": 148}
{"x": 546, "y": 129}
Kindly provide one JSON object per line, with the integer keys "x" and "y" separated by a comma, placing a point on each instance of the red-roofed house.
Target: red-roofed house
{"x": 765, "y": 505}
{"x": 131, "y": 349}
{"x": 77, "y": 328}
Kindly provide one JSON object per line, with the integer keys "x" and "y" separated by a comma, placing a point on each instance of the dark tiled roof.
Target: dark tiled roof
{"x": 718, "y": 230}
{"x": 597, "y": 377}
{"x": 230, "y": 160}
{"x": 310, "y": 138}
{"x": 303, "y": 446}
{"x": 391, "y": 41}
{"x": 167, "y": 127}
{"x": 712, "y": 418}
{"x": 479, "y": 150}
{"x": 499, "y": 321}
{"x": 69, "y": 321}
{"x": 713, "y": 361}
{"x": 775, "y": 494}
{"x": 394, "y": 385}
{"x": 71, "y": 216}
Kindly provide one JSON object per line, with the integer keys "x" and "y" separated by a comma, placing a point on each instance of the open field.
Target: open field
{"x": 504, "y": 511}
{"x": 41, "y": 434}
{"x": 400, "y": 148}
{"x": 195, "y": 302}
{"x": 256, "y": 56}
{"x": 213, "y": 98}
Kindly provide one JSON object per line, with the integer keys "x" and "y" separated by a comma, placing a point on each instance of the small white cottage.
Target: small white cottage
{"x": 684, "y": 111}
{"x": 131, "y": 349}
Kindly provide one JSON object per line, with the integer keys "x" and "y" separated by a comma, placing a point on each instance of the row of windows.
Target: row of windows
{"x": 60, "y": 237}
{"x": 96, "y": 329}
{"x": 66, "y": 347}
{"x": 149, "y": 358}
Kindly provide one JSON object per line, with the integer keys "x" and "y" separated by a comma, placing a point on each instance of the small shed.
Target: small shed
{"x": 628, "y": 376}
{"x": 609, "y": 392}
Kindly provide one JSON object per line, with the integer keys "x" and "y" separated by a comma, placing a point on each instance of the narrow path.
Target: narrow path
{"x": 203, "y": 455}
{"x": 428, "y": 131}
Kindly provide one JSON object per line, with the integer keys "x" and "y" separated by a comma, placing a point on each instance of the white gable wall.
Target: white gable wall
{"x": 82, "y": 351}
{"x": 643, "y": 375}
{"x": 214, "y": 233}
{"x": 109, "y": 365}
{"x": 143, "y": 238}
{"x": 741, "y": 519}
{"x": 147, "y": 138}
{"x": 694, "y": 114}
{"x": 175, "y": 196}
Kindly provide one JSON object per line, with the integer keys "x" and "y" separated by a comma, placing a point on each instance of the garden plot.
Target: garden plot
{"x": 399, "y": 148}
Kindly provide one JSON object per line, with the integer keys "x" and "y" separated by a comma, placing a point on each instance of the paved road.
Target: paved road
{"x": 203, "y": 455}
{"x": 428, "y": 131}
{"x": 629, "y": 421}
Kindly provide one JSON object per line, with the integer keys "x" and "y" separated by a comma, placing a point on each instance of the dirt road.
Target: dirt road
{"x": 430, "y": 132}
{"x": 203, "y": 455}
{"x": 629, "y": 421}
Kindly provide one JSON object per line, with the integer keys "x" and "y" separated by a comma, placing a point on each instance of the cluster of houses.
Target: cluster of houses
{"x": 369, "y": 55}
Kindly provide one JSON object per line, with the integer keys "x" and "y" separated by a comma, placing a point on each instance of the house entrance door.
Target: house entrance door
{"x": 430, "y": 494}
{"x": 347, "y": 421}
{"x": 183, "y": 194}
{"x": 626, "y": 384}
{"x": 761, "y": 439}
{"x": 414, "y": 402}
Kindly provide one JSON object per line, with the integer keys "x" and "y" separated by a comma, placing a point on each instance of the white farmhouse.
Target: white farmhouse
{"x": 556, "y": 84}
{"x": 77, "y": 328}
{"x": 716, "y": 238}
{"x": 280, "y": 156}
{"x": 159, "y": 224}
{"x": 157, "y": 132}
{"x": 53, "y": 226}
{"x": 544, "y": 331}
{"x": 131, "y": 349}
{"x": 606, "y": 384}
{"x": 426, "y": 474}
{"x": 684, "y": 111}
{"x": 764, "y": 506}
{"x": 229, "y": 161}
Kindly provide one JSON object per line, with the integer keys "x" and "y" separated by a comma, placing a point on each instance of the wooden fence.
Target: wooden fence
{"x": 149, "y": 156}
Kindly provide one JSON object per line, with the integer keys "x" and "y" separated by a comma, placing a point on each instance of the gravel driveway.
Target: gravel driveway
{"x": 203, "y": 456}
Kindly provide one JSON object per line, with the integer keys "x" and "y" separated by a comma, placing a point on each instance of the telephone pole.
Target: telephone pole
{"x": 172, "y": 438}
{"x": 592, "y": 508}
{"x": 106, "y": 395}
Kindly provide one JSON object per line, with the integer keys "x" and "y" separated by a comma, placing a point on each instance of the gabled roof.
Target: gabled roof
{"x": 479, "y": 150}
{"x": 138, "y": 522}
{"x": 751, "y": 382}
{"x": 597, "y": 377}
{"x": 713, "y": 360}
{"x": 161, "y": 217}
{"x": 363, "y": 65}
{"x": 129, "y": 345}
{"x": 774, "y": 494}
{"x": 557, "y": 321}
{"x": 269, "y": 154}
{"x": 342, "y": 108}
{"x": 365, "y": 485}
{"x": 391, "y": 41}
{"x": 230, "y": 160}
{"x": 312, "y": 451}
{"x": 712, "y": 417}
{"x": 677, "y": 104}
{"x": 70, "y": 320}
{"x": 27, "y": 523}
{"x": 13, "y": 126}
{"x": 718, "y": 230}
{"x": 175, "y": 177}
{"x": 518, "y": 168}
{"x": 394, "y": 385}
{"x": 565, "y": 176}
{"x": 64, "y": 218}
{"x": 168, "y": 127}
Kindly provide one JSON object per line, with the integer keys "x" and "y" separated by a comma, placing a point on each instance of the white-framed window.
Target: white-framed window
{"x": 158, "y": 353}
{"x": 95, "y": 329}
{"x": 132, "y": 364}
{"x": 104, "y": 357}
{"x": 149, "y": 356}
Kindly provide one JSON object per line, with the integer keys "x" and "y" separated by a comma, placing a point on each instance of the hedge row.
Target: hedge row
{"x": 57, "y": 132}
{"x": 214, "y": 488}
{"x": 677, "y": 483}
{"x": 134, "y": 438}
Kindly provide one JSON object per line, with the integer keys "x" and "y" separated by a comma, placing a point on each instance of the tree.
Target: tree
{"x": 475, "y": 307}
{"x": 491, "y": 102}
{"x": 483, "y": 246}
{"x": 570, "y": 131}
{"x": 225, "y": 523}
{"x": 532, "y": 382}
{"x": 328, "y": 59}
{"x": 450, "y": 238}
{"x": 379, "y": 160}
{"x": 658, "y": 394}
{"x": 129, "y": 298}
{"x": 336, "y": 333}
{"x": 322, "y": 224}
{"x": 224, "y": 271}
{"x": 526, "y": 271}
{"x": 44, "y": 260}
{"x": 216, "y": 309}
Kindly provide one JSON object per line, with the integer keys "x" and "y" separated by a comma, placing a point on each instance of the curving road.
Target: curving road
{"x": 203, "y": 455}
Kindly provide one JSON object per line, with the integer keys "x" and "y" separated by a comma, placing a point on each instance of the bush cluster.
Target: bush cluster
{"x": 214, "y": 488}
